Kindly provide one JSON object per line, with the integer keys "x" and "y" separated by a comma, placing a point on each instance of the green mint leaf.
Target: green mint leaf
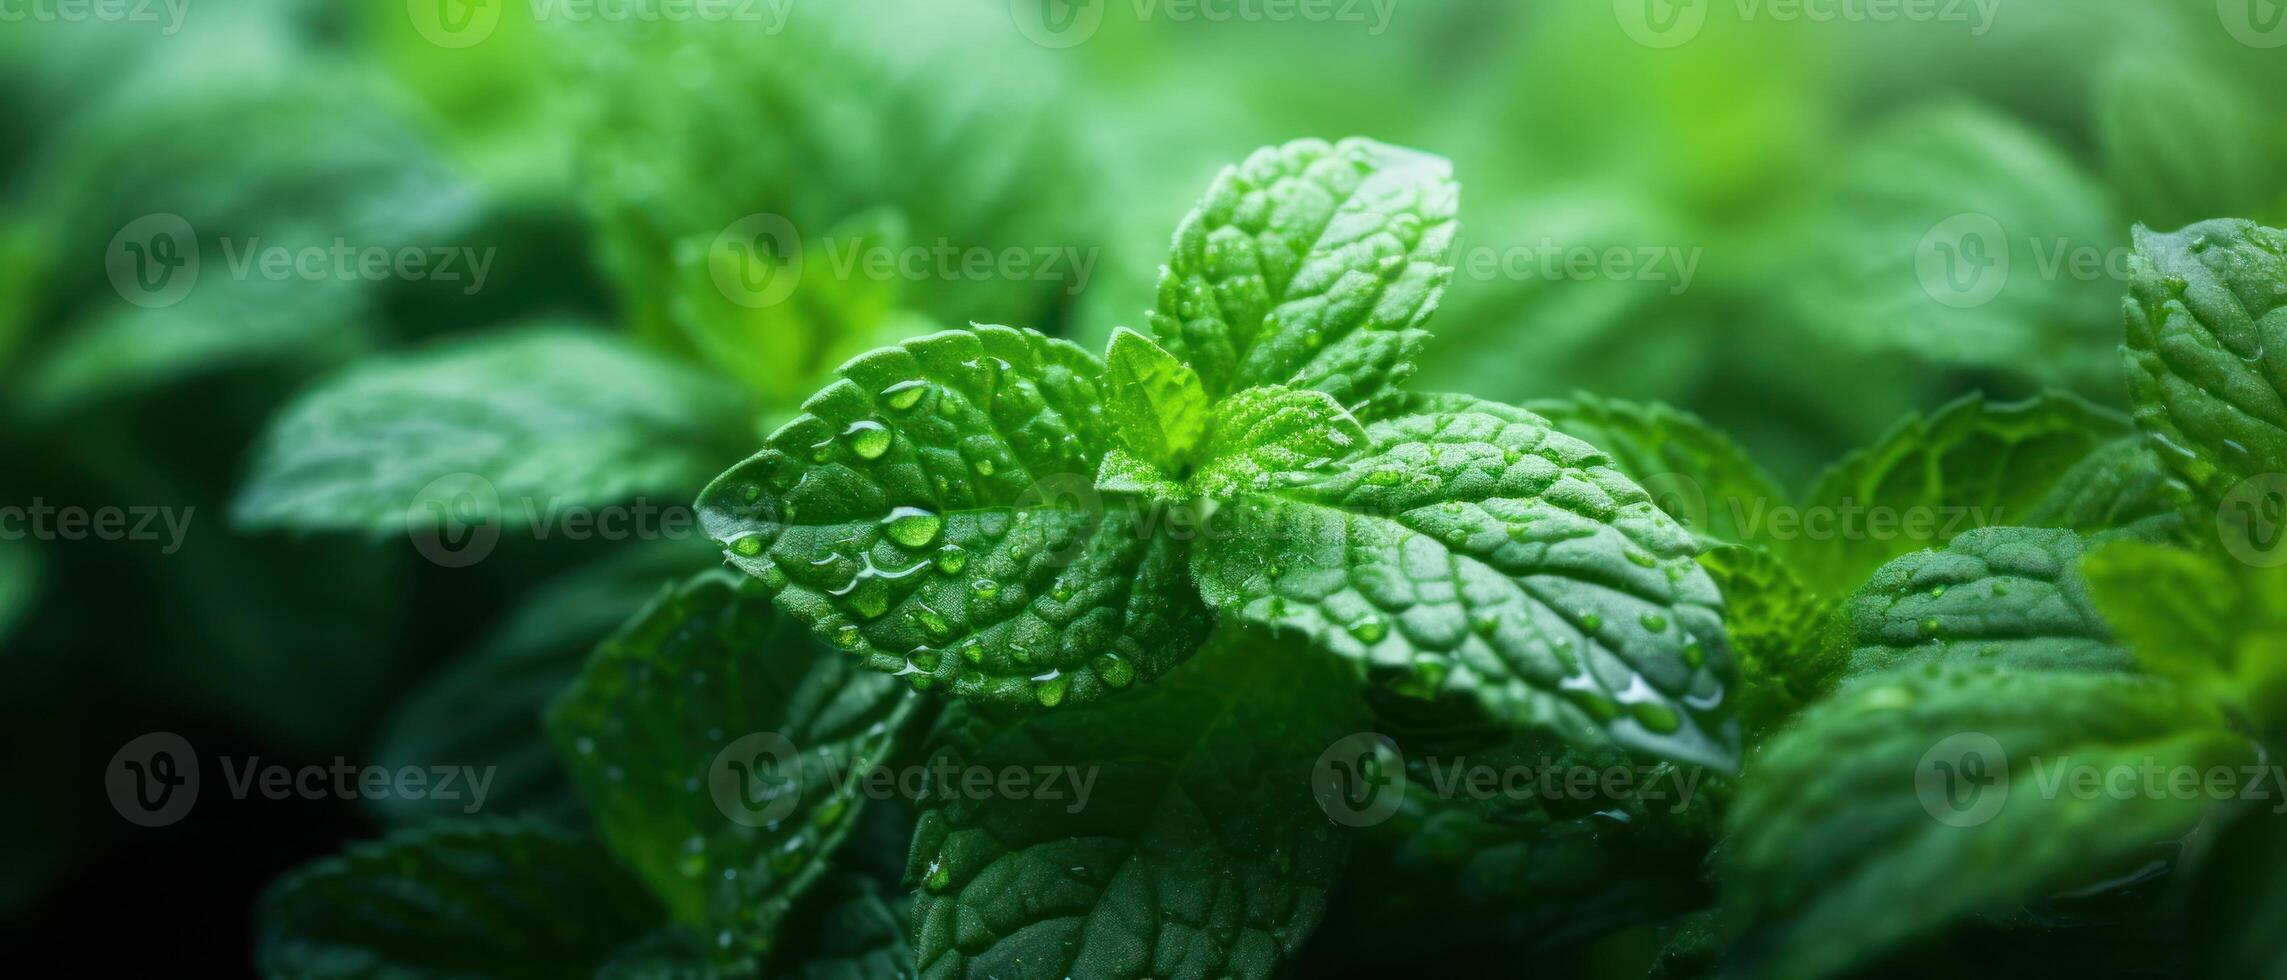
{"x": 1311, "y": 265}
{"x": 2207, "y": 624}
{"x": 2004, "y": 596}
{"x": 934, "y": 513}
{"x": 1933, "y": 248}
{"x": 2207, "y": 364}
{"x": 1779, "y": 627}
{"x": 1158, "y": 410}
{"x": 2051, "y": 461}
{"x": 1491, "y": 555}
{"x": 1263, "y": 434}
{"x": 484, "y": 708}
{"x": 534, "y": 420}
{"x": 1695, "y": 473}
{"x": 1125, "y": 474}
{"x": 715, "y": 746}
{"x": 2182, "y": 143}
{"x": 482, "y": 898}
{"x": 846, "y": 928}
{"x": 1198, "y": 850}
{"x": 1852, "y": 833}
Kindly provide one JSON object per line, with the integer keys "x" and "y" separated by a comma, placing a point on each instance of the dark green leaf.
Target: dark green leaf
{"x": 19, "y": 584}
{"x": 510, "y": 427}
{"x": 1490, "y": 555}
{"x": 934, "y": 513}
{"x": 477, "y": 899}
{"x": 2182, "y": 142}
{"x": 716, "y": 747}
{"x": 2207, "y": 350}
{"x": 1314, "y": 266}
{"x": 2003, "y": 596}
{"x": 1197, "y": 852}
{"x": 1780, "y": 630}
{"x": 1929, "y": 796}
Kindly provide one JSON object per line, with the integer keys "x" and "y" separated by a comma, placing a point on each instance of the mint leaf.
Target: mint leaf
{"x": 2005, "y": 596}
{"x": 1695, "y": 473}
{"x": 1779, "y": 628}
{"x": 1313, "y": 266}
{"x": 484, "y": 708}
{"x": 934, "y": 514}
{"x": 715, "y": 747}
{"x": 852, "y": 929}
{"x": 1488, "y": 554}
{"x": 1263, "y": 435}
{"x": 546, "y": 417}
{"x": 2207, "y": 368}
{"x": 485, "y": 898}
{"x": 1198, "y": 851}
{"x": 2181, "y": 142}
{"x": 2213, "y": 627}
{"x": 2051, "y": 461}
{"x": 1848, "y": 840}
{"x": 1157, "y": 408}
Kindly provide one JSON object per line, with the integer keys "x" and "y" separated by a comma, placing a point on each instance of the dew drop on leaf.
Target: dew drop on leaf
{"x": 912, "y": 527}
{"x": 867, "y": 438}
{"x": 904, "y": 394}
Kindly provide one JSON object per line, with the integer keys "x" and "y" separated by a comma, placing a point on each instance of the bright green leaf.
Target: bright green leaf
{"x": 1780, "y": 629}
{"x": 1924, "y": 797}
{"x": 2003, "y": 596}
{"x": 2207, "y": 350}
{"x": 934, "y": 513}
{"x": 2182, "y": 142}
{"x": 1314, "y": 266}
{"x": 477, "y": 899}
{"x": 1490, "y": 555}
{"x": 1262, "y": 435}
{"x": 716, "y": 746}
{"x": 1158, "y": 410}
{"x": 1197, "y": 851}
{"x": 510, "y": 428}
{"x": 2217, "y": 626}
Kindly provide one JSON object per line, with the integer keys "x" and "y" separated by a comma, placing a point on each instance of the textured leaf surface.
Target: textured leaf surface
{"x": 548, "y": 418}
{"x": 713, "y": 744}
{"x": 487, "y": 899}
{"x": 484, "y": 709}
{"x": 2218, "y": 627}
{"x": 1262, "y": 435}
{"x": 1781, "y": 631}
{"x": 2052, "y": 461}
{"x": 1493, "y": 556}
{"x": 1695, "y": 473}
{"x": 934, "y": 514}
{"x": 1198, "y": 853}
{"x": 1311, "y": 265}
{"x": 2207, "y": 349}
{"x": 2003, "y": 596}
{"x": 1158, "y": 409}
{"x": 1835, "y": 855}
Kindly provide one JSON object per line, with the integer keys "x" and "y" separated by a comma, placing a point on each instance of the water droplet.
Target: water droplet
{"x": 747, "y": 547}
{"x": 904, "y": 394}
{"x": 1656, "y": 716}
{"x": 932, "y": 622}
{"x": 867, "y": 438}
{"x": 1591, "y": 622}
{"x": 1694, "y": 654}
{"x": 984, "y": 467}
{"x": 940, "y": 878}
{"x": 1654, "y": 623}
{"x": 952, "y": 558}
{"x": 1049, "y": 689}
{"x": 1388, "y": 477}
{"x": 848, "y": 637}
{"x": 1485, "y": 622}
{"x": 1931, "y": 626}
{"x": 985, "y": 588}
{"x": 1060, "y": 592}
{"x": 1642, "y": 559}
{"x": 1113, "y": 671}
{"x": 912, "y": 526}
{"x": 1938, "y": 593}
{"x": 1370, "y": 629}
